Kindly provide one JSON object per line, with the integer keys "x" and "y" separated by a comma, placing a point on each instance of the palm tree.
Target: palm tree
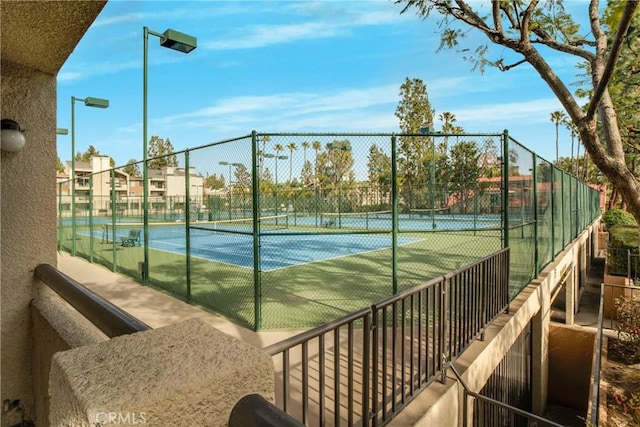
{"x": 574, "y": 131}
{"x": 316, "y": 145}
{"x": 305, "y": 146}
{"x": 558, "y": 117}
{"x": 265, "y": 139}
{"x": 291, "y": 147}
{"x": 449, "y": 119}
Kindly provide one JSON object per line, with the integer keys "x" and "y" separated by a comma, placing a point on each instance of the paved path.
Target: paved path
{"x": 154, "y": 307}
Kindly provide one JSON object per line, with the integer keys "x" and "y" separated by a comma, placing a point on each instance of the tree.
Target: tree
{"x": 414, "y": 113}
{"x": 379, "y": 166}
{"x": 291, "y": 147}
{"x": 449, "y": 119}
{"x": 574, "y": 132}
{"x": 558, "y": 117}
{"x": 488, "y": 160}
{"x": 305, "y": 147}
{"x": 91, "y": 152}
{"x": 335, "y": 164}
{"x": 214, "y": 182}
{"x": 264, "y": 139}
{"x": 59, "y": 166}
{"x": 160, "y": 153}
{"x": 132, "y": 168}
{"x": 527, "y": 29}
{"x": 464, "y": 172}
{"x": 306, "y": 171}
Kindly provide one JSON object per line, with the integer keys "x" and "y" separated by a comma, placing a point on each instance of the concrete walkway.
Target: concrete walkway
{"x": 154, "y": 307}
{"x": 589, "y": 302}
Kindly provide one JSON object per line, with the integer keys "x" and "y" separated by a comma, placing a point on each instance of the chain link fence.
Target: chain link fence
{"x": 285, "y": 231}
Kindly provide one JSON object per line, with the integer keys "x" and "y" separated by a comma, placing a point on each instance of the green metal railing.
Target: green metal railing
{"x": 282, "y": 230}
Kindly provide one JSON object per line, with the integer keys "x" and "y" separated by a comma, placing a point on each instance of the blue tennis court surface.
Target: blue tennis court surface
{"x": 283, "y": 250}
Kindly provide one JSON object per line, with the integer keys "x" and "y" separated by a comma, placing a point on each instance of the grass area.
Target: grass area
{"x": 300, "y": 296}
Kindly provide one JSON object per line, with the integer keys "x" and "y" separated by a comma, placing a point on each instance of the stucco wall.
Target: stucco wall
{"x": 57, "y": 327}
{"x": 27, "y": 225}
{"x": 570, "y": 356}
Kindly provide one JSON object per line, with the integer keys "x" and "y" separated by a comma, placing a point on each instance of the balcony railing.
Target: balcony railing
{"x": 609, "y": 295}
{"x": 494, "y": 412}
{"x": 364, "y": 368}
{"x": 105, "y": 316}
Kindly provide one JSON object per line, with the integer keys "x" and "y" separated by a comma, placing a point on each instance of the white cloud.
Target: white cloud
{"x": 537, "y": 110}
{"x": 68, "y": 76}
{"x": 264, "y": 35}
{"x": 332, "y": 23}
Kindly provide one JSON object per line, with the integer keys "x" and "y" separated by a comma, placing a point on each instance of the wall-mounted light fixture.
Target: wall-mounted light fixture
{"x": 12, "y": 138}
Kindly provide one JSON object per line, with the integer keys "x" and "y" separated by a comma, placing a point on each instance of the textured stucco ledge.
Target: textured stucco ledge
{"x": 181, "y": 375}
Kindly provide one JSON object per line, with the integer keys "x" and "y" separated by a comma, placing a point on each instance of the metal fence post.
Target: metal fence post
{"x": 552, "y": 190}
{"x": 91, "y": 218}
{"x": 505, "y": 188}
{"x": 444, "y": 339}
{"x": 536, "y": 252}
{"x": 394, "y": 215}
{"x": 187, "y": 221}
{"x": 60, "y": 220}
{"x": 114, "y": 249}
{"x": 375, "y": 343}
{"x": 257, "y": 285}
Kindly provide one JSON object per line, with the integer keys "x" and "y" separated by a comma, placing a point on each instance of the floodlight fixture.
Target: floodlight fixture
{"x": 96, "y": 102}
{"x": 176, "y": 40}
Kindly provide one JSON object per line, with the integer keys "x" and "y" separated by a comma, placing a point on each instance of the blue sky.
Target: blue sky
{"x": 294, "y": 66}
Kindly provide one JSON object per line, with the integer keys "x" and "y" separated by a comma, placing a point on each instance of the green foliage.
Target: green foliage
{"x": 160, "y": 153}
{"x": 617, "y": 217}
{"x": 464, "y": 172}
{"x": 625, "y": 81}
{"x": 59, "y": 166}
{"x": 414, "y": 112}
{"x": 91, "y": 151}
{"x": 132, "y": 168}
{"x": 622, "y": 240}
{"x": 214, "y": 182}
{"x": 628, "y": 325}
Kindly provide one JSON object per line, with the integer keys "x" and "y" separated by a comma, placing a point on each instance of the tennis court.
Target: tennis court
{"x": 344, "y": 225}
{"x": 230, "y": 242}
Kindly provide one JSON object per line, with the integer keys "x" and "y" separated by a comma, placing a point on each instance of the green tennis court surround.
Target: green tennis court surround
{"x": 282, "y": 231}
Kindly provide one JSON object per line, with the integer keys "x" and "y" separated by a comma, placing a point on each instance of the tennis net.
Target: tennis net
{"x": 177, "y": 230}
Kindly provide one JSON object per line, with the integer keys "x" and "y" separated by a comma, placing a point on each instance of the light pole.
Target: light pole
{"x": 342, "y": 146}
{"x": 271, "y": 156}
{"x": 60, "y": 131}
{"x": 88, "y": 102}
{"x": 182, "y": 43}
{"x": 229, "y": 185}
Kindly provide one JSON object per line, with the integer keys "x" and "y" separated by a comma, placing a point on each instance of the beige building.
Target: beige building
{"x": 167, "y": 189}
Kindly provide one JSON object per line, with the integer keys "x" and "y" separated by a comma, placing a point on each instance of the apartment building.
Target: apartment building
{"x": 95, "y": 185}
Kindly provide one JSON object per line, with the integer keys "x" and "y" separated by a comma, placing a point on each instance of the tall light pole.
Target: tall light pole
{"x": 182, "y": 43}
{"x": 88, "y": 102}
{"x": 60, "y": 131}
{"x": 229, "y": 184}
{"x": 271, "y": 156}
{"x": 342, "y": 146}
